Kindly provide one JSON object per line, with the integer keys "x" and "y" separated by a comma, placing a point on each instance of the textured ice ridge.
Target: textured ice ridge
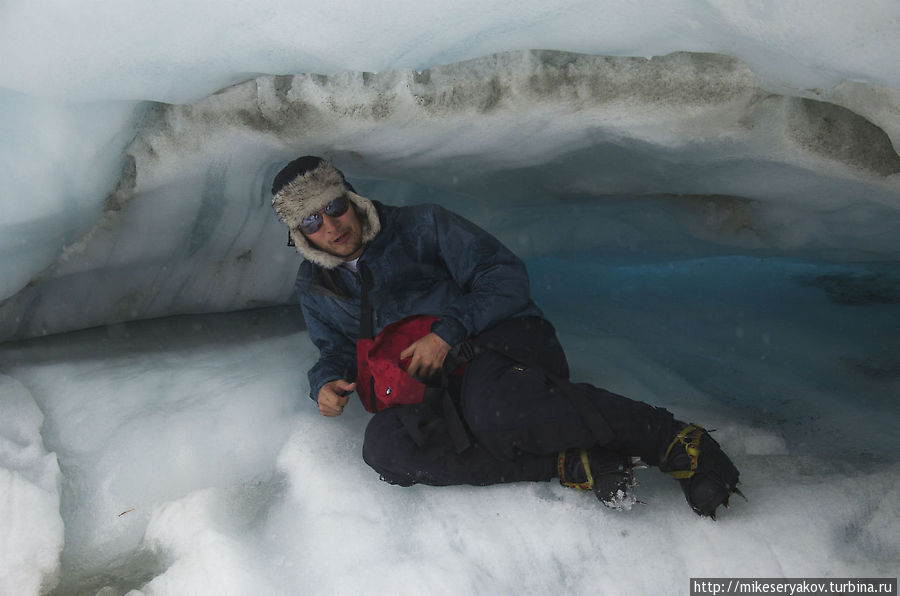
{"x": 189, "y": 229}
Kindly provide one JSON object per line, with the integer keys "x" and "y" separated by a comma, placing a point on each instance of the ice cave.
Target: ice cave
{"x": 706, "y": 194}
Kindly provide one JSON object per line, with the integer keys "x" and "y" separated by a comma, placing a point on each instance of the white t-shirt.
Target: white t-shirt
{"x": 352, "y": 265}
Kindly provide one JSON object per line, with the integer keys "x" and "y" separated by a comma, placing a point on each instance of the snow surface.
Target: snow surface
{"x": 720, "y": 177}
{"x": 191, "y": 462}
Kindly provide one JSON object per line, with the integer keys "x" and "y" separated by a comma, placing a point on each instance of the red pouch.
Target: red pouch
{"x": 381, "y": 377}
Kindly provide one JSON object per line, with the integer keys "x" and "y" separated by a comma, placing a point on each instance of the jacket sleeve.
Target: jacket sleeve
{"x": 337, "y": 354}
{"x": 493, "y": 280}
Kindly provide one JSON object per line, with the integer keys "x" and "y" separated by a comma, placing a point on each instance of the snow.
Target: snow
{"x": 32, "y": 529}
{"x": 706, "y": 195}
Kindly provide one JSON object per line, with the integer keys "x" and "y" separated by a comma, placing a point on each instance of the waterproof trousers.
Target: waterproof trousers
{"x": 518, "y": 416}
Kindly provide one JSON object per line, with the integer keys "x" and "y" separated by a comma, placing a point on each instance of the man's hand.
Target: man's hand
{"x": 427, "y": 356}
{"x": 333, "y": 396}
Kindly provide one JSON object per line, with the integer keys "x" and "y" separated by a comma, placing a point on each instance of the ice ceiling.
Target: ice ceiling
{"x": 688, "y": 128}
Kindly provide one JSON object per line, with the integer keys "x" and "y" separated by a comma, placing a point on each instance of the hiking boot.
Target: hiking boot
{"x": 707, "y": 476}
{"x": 609, "y": 475}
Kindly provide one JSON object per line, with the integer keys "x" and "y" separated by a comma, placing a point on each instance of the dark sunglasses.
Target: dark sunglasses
{"x": 336, "y": 208}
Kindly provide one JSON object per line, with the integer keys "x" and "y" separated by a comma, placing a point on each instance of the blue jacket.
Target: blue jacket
{"x": 425, "y": 260}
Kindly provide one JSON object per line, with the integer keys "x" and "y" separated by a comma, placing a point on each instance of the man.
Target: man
{"x": 512, "y": 414}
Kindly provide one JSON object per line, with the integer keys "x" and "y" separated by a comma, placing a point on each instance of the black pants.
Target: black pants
{"x": 518, "y": 418}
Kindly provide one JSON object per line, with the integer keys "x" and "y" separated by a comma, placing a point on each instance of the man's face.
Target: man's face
{"x": 340, "y": 236}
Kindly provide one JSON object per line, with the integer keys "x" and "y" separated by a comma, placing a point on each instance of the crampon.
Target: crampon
{"x": 707, "y": 476}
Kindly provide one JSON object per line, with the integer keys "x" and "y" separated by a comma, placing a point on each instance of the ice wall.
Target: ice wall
{"x": 680, "y": 154}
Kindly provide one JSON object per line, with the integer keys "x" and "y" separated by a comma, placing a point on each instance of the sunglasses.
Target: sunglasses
{"x": 336, "y": 208}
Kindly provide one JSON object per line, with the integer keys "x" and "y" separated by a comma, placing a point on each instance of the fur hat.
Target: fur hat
{"x": 304, "y": 187}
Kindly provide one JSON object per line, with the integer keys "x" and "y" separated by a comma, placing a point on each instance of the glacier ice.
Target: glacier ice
{"x": 188, "y": 228}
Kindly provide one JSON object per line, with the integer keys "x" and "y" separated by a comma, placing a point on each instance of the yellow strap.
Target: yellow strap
{"x": 587, "y": 469}
{"x": 561, "y": 471}
{"x": 689, "y": 437}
